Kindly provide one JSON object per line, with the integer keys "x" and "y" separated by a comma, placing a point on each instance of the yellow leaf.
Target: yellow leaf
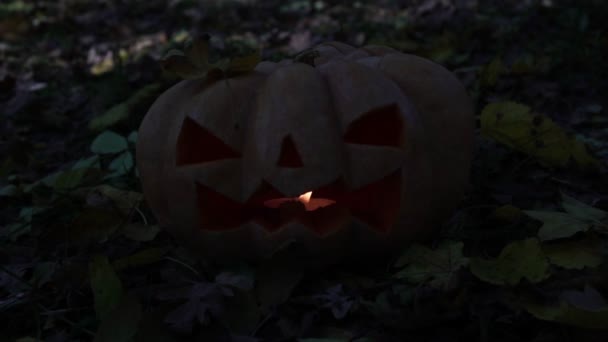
{"x": 421, "y": 263}
{"x": 514, "y": 125}
{"x": 243, "y": 64}
{"x": 177, "y": 63}
{"x": 491, "y": 72}
{"x": 520, "y": 259}
{"x": 575, "y": 254}
{"x": 195, "y": 64}
{"x": 198, "y": 53}
{"x": 107, "y": 287}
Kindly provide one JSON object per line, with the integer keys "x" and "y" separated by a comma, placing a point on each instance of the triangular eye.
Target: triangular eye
{"x": 380, "y": 126}
{"x": 289, "y": 157}
{"x": 196, "y": 145}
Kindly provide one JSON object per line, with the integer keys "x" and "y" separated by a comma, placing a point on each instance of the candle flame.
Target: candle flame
{"x": 305, "y": 198}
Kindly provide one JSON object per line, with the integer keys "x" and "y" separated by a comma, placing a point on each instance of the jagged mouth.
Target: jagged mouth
{"x": 329, "y": 208}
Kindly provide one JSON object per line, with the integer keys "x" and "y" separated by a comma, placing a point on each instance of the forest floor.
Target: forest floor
{"x": 523, "y": 258}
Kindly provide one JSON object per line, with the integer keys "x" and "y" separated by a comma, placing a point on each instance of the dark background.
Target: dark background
{"x": 81, "y": 257}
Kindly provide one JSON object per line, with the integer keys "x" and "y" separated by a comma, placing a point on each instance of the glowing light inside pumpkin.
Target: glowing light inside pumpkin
{"x": 305, "y": 198}
{"x": 310, "y": 203}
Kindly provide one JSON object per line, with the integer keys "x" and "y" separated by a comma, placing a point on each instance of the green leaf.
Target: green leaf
{"x": 582, "y": 211}
{"x": 124, "y": 200}
{"x": 10, "y": 190}
{"x": 524, "y": 64}
{"x": 514, "y": 125}
{"x": 94, "y": 224}
{"x": 106, "y": 286}
{"x": 27, "y": 339}
{"x": 69, "y": 179}
{"x": 43, "y": 273}
{"x": 437, "y": 265}
{"x": 109, "y": 142}
{"x": 121, "y": 324}
{"x": 573, "y": 309}
{"x": 123, "y": 110}
{"x": 141, "y": 258}
{"x": 491, "y": 72}
{"x": 518, "y": 260}
{"x": 198, "y": 53}
{"x": 557, "y": 225}
{"x": 7, "y": 167}
{"x": 110, "y": 117}
{"x": 144, "y": 95}
{"x": 122, "y": 164}
{"x": 140, "y": 232}
{"x": 275, "y": 280}
{"x": 179, "y": 64}
{"x": 87, "y": 163}
{"x": 574, "y": 254}
{"x": 152, "y": 328}
{"x": 507, "y": 213}
{"x": 242, "y": 312}
{"x": 132, "y": 138}
{"x": 23, "y": 225}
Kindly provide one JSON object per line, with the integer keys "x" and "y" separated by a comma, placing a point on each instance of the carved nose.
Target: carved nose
{"x": 289, "y": 157}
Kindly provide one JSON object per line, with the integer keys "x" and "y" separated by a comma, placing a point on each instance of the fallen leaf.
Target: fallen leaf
{"x": 507, "y": 213}
{"x": 194, "y": 63}
{"x": 582, "y": 211}
{"x": 203, "y": 300}
{"x": 491, "y": 72}
{"x": 107, "y": 287}
{"x": 241, "y": 313}
{"x": 335, "y": 299}
{"x": 438, "y": 266}
{"x": 94, "y": 224}
{"x": 109, "y": 142}
{"x": 275, "y": 280}
{"x": 43, "y": 273}
{"x": 24, "y": 223}
{"x": 101, "y": 64}
{"x": 589, "y": 299}
{"x": 68, "y": 179}
{"x": 178, "y": 63}
{"x": 518, "y": 260}
{"x": 140, "y": 232}
{"x": 120, "y": 324}
{"x": 567, "y": 313}
{"x": 239, "y": 65}
{"x": 514, "y": 125}
{"x": 125, "y": 200}
{"x": 121, "y": 164}
{"x": 242, "y": 280}
{"x": 152, "y": 329}
{"x": 574, "y": 254}
{"x": 14, "y": 28}
{"x": 110, "y": 117}
{"x": 141, "y": 258}
{"x": 123, "y": 110}
{"x": 557, "y": 225}
{"x": 132, "y": 138}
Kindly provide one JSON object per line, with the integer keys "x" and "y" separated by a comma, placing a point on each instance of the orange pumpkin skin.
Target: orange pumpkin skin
{"x": 383, "y": 136}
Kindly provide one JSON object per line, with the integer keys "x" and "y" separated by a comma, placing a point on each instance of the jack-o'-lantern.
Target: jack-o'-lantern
{"x": 355, "y": 153}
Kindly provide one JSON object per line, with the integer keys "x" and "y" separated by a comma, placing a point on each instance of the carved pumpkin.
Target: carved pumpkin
{"x": 382, "y": 139}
